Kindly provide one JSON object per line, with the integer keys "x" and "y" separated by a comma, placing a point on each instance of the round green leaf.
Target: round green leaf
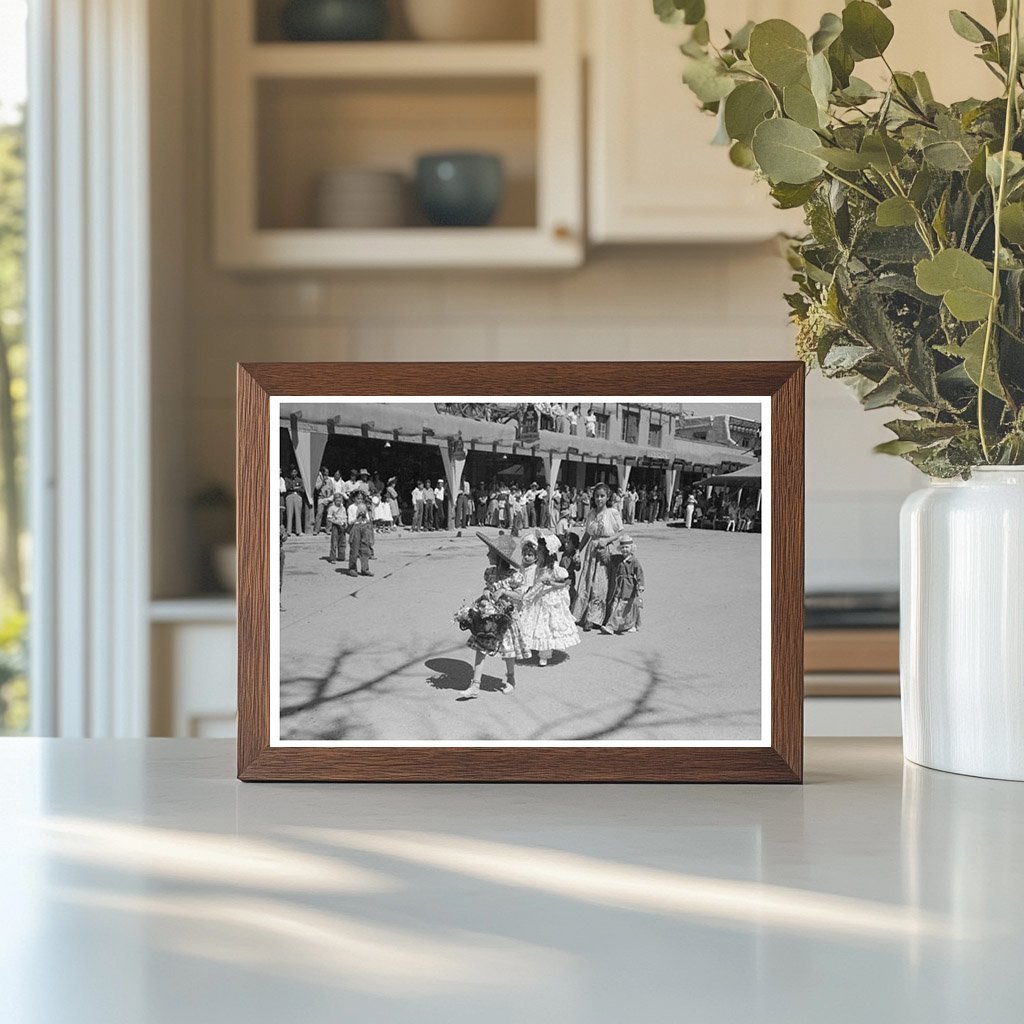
{"x": 820, "y": 76}
{"x": 746, "y": 107}
{"x": 882, "y": 152}
{"x": 895, "y": 212}
{"x": 963, "y": 281}
{"x": 866, "y": 29}
{"x": 779, "y": 51}
{"x": 742, "y": 156}
{"x": 972, "y": 352}
{"x": 801, "y": 106}
{"x": 829, "y": 30}
{"x": 1012, "y": 223}
{"x": 947, "y": 156}
{"x": 708, "y": 81}
{"x": 785, "y": 152}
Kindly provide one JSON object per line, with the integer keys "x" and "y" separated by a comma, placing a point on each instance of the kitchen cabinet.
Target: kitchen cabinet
{"x": 653, "y": 175}
{"x": 287, "y": 113}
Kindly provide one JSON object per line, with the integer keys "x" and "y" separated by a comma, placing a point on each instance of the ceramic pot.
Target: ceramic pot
{"x": 471, "y": 20}
{"x": 334, "y": 20}
{"x": 962, "y": 624}
{"x": 460, "y": 189}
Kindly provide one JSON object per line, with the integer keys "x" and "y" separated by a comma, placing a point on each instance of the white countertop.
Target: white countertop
{"x": 143, "y": 885}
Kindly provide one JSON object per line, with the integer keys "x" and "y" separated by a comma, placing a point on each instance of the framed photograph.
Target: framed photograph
{"x": 517, "y": 572}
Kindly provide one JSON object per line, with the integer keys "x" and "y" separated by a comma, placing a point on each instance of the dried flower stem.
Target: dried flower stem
{"x": 993, "y": 309}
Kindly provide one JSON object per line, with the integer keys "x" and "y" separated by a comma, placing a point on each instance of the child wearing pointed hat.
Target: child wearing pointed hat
{"x": 547, "y": 621}
{"x": 493, "y": 619}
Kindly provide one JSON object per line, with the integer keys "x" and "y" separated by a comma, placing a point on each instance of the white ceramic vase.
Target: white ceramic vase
{"x": 962, "y": 624}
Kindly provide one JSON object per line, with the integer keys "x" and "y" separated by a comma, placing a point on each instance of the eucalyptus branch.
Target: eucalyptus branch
{"x": 853, "y": 185}
{"x": 923, "y": 227}
{"x": 1000, "y": 198}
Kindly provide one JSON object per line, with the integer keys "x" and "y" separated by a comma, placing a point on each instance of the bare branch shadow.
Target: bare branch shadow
{"x": 320, "y": 683}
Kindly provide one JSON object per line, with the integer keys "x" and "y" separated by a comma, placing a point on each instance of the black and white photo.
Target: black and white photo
{"x": 532, "y": 571}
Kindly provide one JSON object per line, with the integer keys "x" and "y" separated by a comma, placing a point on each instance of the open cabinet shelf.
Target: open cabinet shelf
{"x": 286, "y": 114}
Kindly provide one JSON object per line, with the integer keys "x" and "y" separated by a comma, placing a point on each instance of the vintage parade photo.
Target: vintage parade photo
{"x": 543, "y": 571}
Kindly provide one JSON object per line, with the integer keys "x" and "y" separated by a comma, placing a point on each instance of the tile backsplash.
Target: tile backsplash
{"x": 701, "y": 303}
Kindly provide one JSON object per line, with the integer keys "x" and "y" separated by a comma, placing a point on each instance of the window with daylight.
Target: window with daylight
{"x": 631, "y": 427}
{"x": 654, "y": 435}
{"x": 602, "y": 424}
{"x": 14, "y": 716}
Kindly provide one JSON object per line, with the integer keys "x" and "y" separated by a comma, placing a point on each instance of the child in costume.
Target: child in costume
{"x": 570, "y": 561}
{"x": 628, "y": 593}
{"x": 493, "y": 618}
{"x": 528, "y": 556}
{"x": 547, "y": 622}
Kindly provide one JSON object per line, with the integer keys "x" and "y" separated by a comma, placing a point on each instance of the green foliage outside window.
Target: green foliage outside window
{"x": 13, "y": 413}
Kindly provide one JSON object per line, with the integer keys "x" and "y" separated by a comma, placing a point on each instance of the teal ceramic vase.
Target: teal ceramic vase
{"x": 461, "y": 190}
{"x": 330, "y": 21}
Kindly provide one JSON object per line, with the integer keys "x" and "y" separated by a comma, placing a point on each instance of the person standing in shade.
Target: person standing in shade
{"x": 574, "y": 420}
{"x": 641, "y": 505}
{"x": 360, "y": 527}
{"x": 541, "y": 502}
{"x": 294, "y": 503}
{"x": 440, "y": 507}
{"x": 417, "y": 507}
{"x": 350, "y": 486}
{"x": 691, "y": 504}
{"x": 391, "y": 494}
{"x": 530, "y": 501}
{"x": 337, "y": 524}
{"x": 656, "y": 505}
{"x": 591, "y": 422}
{"x": 324, "y": 499}
{"x": 428, "y": 507}
{"x": 464, "y": 507}
{"x": 481, "y": 505}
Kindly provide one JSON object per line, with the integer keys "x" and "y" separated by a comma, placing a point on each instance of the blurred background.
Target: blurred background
{"x": 245, "y": 180}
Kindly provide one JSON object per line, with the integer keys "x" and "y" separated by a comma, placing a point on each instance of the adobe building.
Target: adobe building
{"x": 478, "y": 444}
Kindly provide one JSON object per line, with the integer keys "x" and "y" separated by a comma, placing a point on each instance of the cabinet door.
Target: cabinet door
{"x": 653, "y": 174}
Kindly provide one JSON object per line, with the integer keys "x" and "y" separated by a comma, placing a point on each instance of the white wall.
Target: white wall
{"x": 655, "y": 303}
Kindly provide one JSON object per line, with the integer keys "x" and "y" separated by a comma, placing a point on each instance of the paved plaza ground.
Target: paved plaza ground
{"x": 380, "y": 658}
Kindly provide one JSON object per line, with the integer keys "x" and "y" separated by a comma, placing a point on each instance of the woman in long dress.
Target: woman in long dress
{"x": 602, "y": 528}
{"x": 392, "y": 495}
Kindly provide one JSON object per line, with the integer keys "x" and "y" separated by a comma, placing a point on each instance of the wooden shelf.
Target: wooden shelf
{"x": 401, "y": 247}
{"x": 393, "y": 60}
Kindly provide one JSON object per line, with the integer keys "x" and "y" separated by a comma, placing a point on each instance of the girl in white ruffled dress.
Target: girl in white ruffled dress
{"x": 546, "y": 621}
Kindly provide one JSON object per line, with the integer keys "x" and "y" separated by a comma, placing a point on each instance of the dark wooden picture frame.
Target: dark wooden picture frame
{"x": 781, "y": 761}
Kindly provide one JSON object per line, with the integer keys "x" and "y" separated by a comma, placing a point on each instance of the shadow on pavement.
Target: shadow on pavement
{"x": 455, "y": 674}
